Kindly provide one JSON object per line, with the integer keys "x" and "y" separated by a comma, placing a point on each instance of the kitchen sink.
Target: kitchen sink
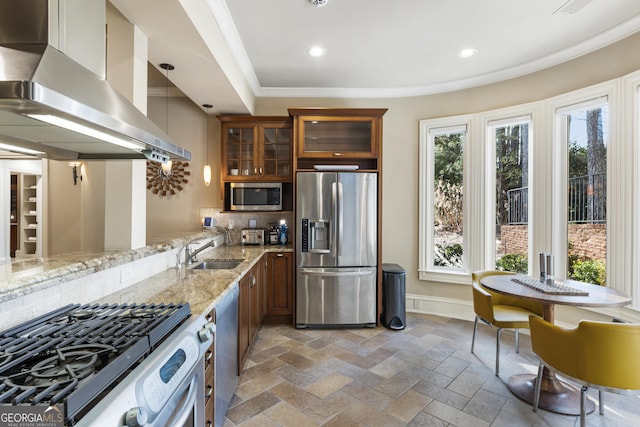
{"x": 217, "y": 264}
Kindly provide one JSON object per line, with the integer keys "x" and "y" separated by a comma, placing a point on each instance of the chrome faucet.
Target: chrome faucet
{"x": 190, "y": 257}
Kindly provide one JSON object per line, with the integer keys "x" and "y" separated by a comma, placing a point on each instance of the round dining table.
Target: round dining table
{"x": 555, "y": 395}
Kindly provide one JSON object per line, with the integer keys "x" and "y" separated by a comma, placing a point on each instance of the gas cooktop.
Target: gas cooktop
{"x": 76, "y": 354}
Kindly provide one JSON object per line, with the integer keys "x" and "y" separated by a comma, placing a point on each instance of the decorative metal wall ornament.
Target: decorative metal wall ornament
{"x": 164, "y": 179}
{"x": 167, "y": 183}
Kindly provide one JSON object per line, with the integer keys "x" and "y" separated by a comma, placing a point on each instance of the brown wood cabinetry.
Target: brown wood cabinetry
{"x": 337, "y": 136}
{"x": 256, "y": 148}
{"x": 341, "y": 138}
{"x": 265, "y": 295}
{"x": 249, "y": 312}
{"x": 209, "y": 378}
{"x": 279, "y": 287}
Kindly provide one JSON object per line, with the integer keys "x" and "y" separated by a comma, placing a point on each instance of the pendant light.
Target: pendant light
{"x": 207, "y": 166}
{"x": 168, "y": 165}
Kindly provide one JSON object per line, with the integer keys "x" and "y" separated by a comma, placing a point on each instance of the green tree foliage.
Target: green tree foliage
{"x": 586, "y": 269}
{"x": 448, "y": 256}
{"x": 448, "y": 206}
{"x": 448, "y": 192}
{"x": 517, "y": 263}
{"x": 577, "y": 160}
{"x": 448, "y": 158}
{"x": 590, "y": 271}
{"x": 511, "y": 165}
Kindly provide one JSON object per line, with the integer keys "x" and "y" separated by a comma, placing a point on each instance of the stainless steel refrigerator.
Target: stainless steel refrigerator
{"x": 336, "y": 249}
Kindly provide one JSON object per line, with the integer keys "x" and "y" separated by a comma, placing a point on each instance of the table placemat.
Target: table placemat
{"x": 557, "y": 288}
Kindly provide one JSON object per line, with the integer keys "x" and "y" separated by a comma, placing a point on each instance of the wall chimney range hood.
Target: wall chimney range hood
{"x": 53, "y": 105}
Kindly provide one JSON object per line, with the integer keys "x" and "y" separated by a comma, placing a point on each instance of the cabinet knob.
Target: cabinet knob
{"x": 337, "y": 154}
{"x": 280, "y": 255}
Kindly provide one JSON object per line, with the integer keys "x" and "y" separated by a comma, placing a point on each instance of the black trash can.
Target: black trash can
{"x": 393, "y": 314}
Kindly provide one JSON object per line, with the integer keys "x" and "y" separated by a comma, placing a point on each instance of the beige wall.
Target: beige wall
{"x": 63, "y": 210}
{"x": 187, "y": 127}
{"x": 400, "y": 145}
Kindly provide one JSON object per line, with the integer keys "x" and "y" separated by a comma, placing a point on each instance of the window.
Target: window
{"x": 585, "y": 133}
{"x": 442, "y": 169}
{"x": 508, "y": 237}
{"x": 573, "y": 191}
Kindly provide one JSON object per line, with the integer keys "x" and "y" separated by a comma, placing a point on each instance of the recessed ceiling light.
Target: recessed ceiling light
{"x": 467, "y": 53}
{"x": 316, "y": 51}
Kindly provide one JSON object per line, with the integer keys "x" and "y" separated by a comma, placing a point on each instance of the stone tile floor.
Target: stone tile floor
{"x": 424, "y": 375}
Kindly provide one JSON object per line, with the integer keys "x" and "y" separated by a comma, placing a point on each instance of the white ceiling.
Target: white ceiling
{"x": 228, "y": 52}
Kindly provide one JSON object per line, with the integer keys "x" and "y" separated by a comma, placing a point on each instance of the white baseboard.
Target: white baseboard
{"x": 567, "y": 317}
{"x": 438, "y": 306}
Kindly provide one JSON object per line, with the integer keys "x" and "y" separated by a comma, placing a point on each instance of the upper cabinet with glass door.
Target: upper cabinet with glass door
{"x": 337, "y": 136}
{"x": 256, "y": 148}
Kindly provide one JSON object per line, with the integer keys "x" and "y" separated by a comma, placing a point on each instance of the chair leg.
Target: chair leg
{"x": 498, "y": 351}
{"x": 583, "y": 405}
{"x": 601, "y": 401}
{"x": 536, "y": 391}
{"x": 517, "y": 341}
{"x": 473, "y": 338}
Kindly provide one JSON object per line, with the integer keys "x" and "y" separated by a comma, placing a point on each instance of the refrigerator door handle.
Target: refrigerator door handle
{"x": 315, "y": 272}
{"x": 340, "y": 219}
{"x": 334, "y": 225}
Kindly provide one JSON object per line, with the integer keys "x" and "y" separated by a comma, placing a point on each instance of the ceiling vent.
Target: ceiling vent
{"x": 572, "y": 6}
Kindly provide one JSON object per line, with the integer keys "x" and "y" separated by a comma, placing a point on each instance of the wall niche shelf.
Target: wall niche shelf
{"x": 30, "y": 236}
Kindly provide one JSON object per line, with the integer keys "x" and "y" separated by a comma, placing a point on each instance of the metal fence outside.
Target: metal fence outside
{"x": 587, "y": 200}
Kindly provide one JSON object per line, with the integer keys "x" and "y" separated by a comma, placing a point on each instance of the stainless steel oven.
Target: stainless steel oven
{"x": 108, "y": 365}
{"x": 166, "y": 389}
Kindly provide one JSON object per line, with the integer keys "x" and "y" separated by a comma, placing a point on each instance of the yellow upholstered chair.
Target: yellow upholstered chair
{"x": 499, "y": 310}
{"x": 600, "y": 355}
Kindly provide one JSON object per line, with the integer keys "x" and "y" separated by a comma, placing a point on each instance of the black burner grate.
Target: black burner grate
{"x": 74, "y": 355}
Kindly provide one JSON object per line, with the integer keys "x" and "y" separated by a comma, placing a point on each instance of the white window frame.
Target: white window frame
{"x": 429, "y": 129}
{"x": 631, "y": 133}
{"x": 579, "y": 101}
{"x": 490, "y": 230}
{"x": 547, "y": 193}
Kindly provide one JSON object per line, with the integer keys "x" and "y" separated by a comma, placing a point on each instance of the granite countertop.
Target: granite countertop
{"x": 32, "y": 273}
{"x": 202, "y": 289}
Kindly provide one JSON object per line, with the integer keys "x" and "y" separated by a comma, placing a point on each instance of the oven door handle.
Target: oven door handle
{"x": 184, "y": 412}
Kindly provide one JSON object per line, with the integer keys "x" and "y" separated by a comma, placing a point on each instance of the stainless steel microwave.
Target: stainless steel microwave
{"x": 255, "y": 196}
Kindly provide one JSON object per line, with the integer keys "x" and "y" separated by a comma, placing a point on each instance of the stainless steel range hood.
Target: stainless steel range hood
{"x": 38, "y": 82}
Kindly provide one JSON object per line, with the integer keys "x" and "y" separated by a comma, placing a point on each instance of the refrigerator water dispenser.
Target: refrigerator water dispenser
{"x": 316, "y": 235}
